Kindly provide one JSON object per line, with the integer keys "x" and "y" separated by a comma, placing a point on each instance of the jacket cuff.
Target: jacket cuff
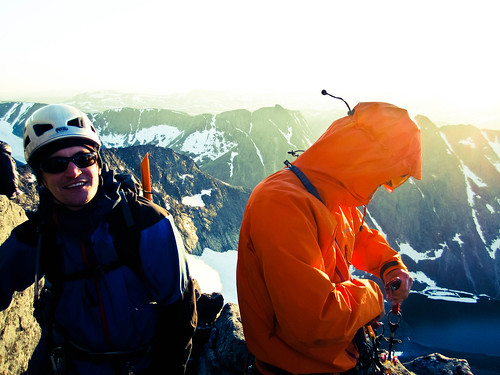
{"x": 393, "y": 264}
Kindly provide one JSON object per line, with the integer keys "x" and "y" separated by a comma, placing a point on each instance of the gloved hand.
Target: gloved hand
{"x": 392, "y": 291}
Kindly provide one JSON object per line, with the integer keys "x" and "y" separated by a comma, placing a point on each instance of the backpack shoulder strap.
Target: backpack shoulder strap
{"x": 303, "y": 178}
{"x": 126, "y": 222}
{"x": 132, "y": 214}
{"x": 124, "y": 228}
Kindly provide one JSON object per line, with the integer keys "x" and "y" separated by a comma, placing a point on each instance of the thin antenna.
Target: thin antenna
{"x": 350, "y": 112}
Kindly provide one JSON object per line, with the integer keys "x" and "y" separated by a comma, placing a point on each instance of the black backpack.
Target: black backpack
{"x": 8, "y": 171}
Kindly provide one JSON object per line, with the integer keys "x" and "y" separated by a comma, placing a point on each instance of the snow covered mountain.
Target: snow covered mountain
{"x": 446, "y": 226}
{"x": 239, "y": 147}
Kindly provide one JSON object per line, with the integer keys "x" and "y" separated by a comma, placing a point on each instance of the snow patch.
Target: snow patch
{"x": 209, "y": 143}
{"x": 287, "y": 136}
{"x": 184, "y": 176}
{"x": 258, "y": 152}
{"x": 472, "y": 176}
{"x": 421, "y": 277}
{"x": 196, "y": 200}
{"x": 468, "y": 142}
{"x": 216, "y": 272}
{"x": 406, "y": 249}
{"x": 495, "y": 245}
{"x": 162, "y": 135}
{"x": 494, "y": 143}
{"x": 457, "y": 239}
{"x": 450, "y": 295}
{"x": 231, "y": 161}
{"x": 113, "y": 140}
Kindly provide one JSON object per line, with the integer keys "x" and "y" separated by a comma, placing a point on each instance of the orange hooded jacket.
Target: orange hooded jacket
{"x": 299, "y": 306}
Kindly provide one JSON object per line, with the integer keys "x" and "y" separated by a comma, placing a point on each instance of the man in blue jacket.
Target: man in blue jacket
{"x": 118, "y": 297}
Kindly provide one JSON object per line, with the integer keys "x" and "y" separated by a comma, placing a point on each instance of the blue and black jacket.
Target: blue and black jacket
{"x": 108, "y": 310}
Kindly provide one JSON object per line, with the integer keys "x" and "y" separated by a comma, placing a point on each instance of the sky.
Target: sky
{"x": 436, "y": 58}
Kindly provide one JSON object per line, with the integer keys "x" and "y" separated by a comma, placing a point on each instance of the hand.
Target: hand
{"x": 394, "y": 292}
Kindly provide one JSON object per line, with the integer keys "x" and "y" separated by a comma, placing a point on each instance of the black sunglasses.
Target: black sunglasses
{"x": 58, "y": 164}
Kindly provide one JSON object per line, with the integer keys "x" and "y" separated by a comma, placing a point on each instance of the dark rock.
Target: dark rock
{"x": 439, "y": 364}
{"x": 225, "y": 353}
{"x": 209, "y": 307}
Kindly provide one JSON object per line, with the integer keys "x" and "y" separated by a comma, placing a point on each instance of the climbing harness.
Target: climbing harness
{"x": 393, "y": 318}
{"x": 373, "y": 360}
{"x": 393, "y": 326}
{"x": 368, "y": 342}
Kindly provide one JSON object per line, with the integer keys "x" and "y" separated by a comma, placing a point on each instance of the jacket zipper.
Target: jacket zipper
{"x": 97, "y": 285}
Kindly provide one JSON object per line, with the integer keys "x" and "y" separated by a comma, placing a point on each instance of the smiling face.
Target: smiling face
{"x": 74, "y": 187}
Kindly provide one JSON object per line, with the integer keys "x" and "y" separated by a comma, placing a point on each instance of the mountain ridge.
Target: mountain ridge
{"x": 443, "y": 226}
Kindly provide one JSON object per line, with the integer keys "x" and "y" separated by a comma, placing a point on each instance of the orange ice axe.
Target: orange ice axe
{"x": 146, "y": 177}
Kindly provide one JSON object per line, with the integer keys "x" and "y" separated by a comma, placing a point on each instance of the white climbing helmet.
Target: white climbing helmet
{"x": 57, "y": 122}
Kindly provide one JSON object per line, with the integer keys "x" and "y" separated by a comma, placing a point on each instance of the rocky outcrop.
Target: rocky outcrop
{"x": 19, "y": 331}
{"x": 11, "y": 215}
{"x": 222, "y": 350}
{"x": 439, "y": 364}
{"x": 19, "y": 334}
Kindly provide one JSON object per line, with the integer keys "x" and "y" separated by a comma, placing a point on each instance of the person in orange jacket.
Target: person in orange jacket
{"x": 301, "y": 230}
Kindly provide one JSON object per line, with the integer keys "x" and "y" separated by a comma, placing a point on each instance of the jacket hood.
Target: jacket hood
{"x": 362, "y": 151}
